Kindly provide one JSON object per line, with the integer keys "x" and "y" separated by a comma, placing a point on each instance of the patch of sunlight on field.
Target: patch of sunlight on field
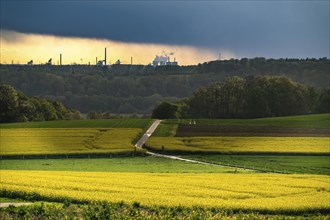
{"x": 67, "y": 140}
{"x": 274, "y": 192}
{"x": 242, "y": 144}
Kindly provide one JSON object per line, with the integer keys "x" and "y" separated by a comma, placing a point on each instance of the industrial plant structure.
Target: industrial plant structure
{"x": 163, "y": 60}
{"x": 160, "y": 60}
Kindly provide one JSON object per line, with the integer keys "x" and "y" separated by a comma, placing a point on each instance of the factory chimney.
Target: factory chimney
{"x": 105, "y": 56}
{"x": 60, "y": 59}
{"x": 131, "y": 60}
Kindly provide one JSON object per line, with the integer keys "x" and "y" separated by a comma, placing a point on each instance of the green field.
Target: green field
{"x": 286, "y": 164}
{"x": 165, "y": 129}
{"x": 303, "y": 121}
{"x": 110, "y": 123}
{"x": 267, "y": 163}
{"x": 117, "y": 164}
{"x": 168, "y": 127}
{"x": 28, "y": 141}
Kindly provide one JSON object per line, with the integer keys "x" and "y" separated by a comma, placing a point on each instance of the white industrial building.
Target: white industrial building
{"x": 163, "y": 60}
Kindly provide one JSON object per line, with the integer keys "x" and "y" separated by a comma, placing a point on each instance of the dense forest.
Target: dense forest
{"x": 250, "y": 97}
{"x": 17, "y": 107}
{"x": 138, "y": 89}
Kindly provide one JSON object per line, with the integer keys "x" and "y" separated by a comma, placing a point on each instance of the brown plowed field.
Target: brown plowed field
{"x": 237, "y": 130}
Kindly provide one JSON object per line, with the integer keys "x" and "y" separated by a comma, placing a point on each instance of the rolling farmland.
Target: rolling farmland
{"x": 157, "y": 188}
{"x": 295, "y": 144}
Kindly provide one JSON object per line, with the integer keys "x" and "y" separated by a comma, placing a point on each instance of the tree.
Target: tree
{"x": 165, "y": 110}
{"x": 9, "y": 104}
{"x": 16, "y": 107}
{"x": 251, "y": 97}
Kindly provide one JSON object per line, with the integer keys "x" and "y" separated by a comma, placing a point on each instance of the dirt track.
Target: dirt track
{"x": 7, "y": 204}
{"x": 237, "y": 130}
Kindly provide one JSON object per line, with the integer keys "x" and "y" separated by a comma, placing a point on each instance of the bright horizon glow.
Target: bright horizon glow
{"x": 20, "y": 48}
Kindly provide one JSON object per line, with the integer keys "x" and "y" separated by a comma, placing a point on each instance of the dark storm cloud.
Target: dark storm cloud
{"x": 248, "y": 28}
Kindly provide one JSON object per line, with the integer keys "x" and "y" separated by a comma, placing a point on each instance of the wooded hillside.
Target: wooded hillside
{"x": 138, "y": 88}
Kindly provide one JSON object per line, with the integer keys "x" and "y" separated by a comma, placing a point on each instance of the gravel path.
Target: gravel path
{"x": 16, "y": 204}
{"x": 149, "y": 132}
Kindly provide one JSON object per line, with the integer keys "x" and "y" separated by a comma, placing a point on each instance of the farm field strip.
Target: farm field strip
{"x": 270, "y": 192}
{"x": 303, "y": 145}
{"x": 184, "y": 130}
{"x": 302, "y": 121}
{"x": 115, "y": 164}
{"x": 67, "y": 140}
{"x": 271, "y": 163}
{"x": 99, "y": 123}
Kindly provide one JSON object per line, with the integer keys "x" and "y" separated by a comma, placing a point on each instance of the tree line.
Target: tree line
{"x": 249, "y": 97}
{"x": 127, "y": 89}
{"x": 310, "y": 71}
{"x": 17, "y": 107}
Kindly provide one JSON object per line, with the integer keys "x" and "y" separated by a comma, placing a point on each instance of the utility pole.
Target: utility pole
{"x": 105, "y": 56}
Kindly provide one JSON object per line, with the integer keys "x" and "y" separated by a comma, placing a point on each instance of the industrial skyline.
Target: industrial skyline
{"x": 197, "y": 30}
{"x": 40, "y": 48}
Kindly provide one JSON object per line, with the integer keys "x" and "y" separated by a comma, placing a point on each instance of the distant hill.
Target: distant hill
{"x": 137, "y": 89}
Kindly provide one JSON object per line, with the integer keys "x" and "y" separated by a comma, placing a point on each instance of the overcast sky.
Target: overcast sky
{"x": 247, "y": 28}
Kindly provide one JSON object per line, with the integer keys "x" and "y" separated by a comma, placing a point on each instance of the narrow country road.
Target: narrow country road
{"x": 149, "y": 132}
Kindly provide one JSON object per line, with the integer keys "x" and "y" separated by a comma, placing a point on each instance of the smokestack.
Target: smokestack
{"x": 61, "y": 59}
{"x": 95, "y": 60}
{"x": 105, "y": 56}
{"x": 131, "y": 60}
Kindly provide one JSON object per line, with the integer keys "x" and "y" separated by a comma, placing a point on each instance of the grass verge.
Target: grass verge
{"x": 272, "y": 163}
{"x": 104, "y": 210}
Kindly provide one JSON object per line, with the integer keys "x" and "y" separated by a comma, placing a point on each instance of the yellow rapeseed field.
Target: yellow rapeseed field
{"x": 66, "y": 140}
{"x": 242, "y": 144}
{"x": 272, "y": 192}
